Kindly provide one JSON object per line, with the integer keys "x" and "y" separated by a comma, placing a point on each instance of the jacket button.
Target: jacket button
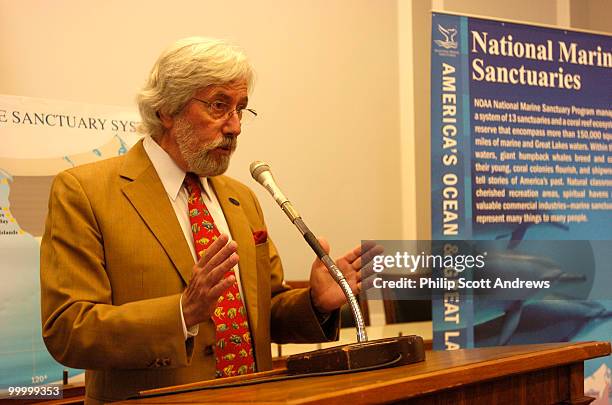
{"x": 208, "y": 350}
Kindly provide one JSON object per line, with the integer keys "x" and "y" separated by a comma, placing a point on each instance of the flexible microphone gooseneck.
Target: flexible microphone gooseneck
{"x": 262, "y": 174}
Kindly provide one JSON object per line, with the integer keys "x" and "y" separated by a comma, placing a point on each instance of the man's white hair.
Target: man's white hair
{"x": 188, "y": 65}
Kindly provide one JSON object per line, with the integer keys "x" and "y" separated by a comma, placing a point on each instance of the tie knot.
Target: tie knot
{"x": 192, "y": 181}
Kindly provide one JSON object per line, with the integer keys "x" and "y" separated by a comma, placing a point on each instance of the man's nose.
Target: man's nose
{"x": 232, "y": 124}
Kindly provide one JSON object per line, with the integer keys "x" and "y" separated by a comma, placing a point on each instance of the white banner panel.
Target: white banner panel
{"x": 38, "y": 139}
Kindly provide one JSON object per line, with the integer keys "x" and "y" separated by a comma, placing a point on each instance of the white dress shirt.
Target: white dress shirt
{"x": 172, "y": 178}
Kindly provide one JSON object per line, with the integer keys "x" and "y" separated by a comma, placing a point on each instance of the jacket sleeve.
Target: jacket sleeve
{"x": 81, "y": 326}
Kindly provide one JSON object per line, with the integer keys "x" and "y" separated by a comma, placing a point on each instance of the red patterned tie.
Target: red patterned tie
{"x": 233, "y": 351}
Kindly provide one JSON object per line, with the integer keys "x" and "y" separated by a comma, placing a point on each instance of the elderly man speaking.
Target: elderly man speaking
{"x": 156, "y": 269}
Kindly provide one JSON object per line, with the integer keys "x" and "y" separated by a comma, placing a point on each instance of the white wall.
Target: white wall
{"x": 539, "y": 11}
{"x": 327, "y": 93}
{"x": 593, "y": 15}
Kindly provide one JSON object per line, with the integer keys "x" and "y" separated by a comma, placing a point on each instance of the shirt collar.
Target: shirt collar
{"x": 170, "y": 174}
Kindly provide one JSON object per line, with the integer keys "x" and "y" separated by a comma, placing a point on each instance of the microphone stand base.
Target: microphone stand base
{"x": 358, "y": 355}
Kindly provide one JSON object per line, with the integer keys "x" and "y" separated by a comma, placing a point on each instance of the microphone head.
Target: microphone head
{"x": 257, "y": 168}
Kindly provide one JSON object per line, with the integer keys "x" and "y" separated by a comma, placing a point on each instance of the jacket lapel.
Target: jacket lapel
{"x": 148, "y": 196}
{"x": 243, "y": 235}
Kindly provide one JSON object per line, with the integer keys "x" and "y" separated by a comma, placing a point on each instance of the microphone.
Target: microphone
{"x": 263, "y": 175}
{"x": 391, "y": 351}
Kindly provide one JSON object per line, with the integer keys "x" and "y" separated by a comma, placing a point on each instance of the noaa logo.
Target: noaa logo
{"x": 449, "y": 38}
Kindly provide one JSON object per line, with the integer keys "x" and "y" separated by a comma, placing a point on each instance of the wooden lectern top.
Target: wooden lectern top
{"x": 543, "y": 373}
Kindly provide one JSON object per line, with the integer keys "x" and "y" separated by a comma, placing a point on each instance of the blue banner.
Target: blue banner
{"x": 521, "y": 140}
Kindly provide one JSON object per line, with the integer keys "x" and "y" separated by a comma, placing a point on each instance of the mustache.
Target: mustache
{"x": 226, "y": 142}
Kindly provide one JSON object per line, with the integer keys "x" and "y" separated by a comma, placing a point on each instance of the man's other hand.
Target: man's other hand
{"x": 208, "y": 282}
{"x": 326, "y": 294}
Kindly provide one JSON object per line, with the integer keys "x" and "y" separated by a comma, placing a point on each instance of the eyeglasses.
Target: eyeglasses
{"x": 220, "y": 110}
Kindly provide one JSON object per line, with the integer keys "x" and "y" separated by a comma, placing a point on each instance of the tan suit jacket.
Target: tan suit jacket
{"x": 114, "y": 261}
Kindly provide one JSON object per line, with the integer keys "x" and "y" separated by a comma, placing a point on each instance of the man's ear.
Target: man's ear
{"x": 166, "y": 120}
